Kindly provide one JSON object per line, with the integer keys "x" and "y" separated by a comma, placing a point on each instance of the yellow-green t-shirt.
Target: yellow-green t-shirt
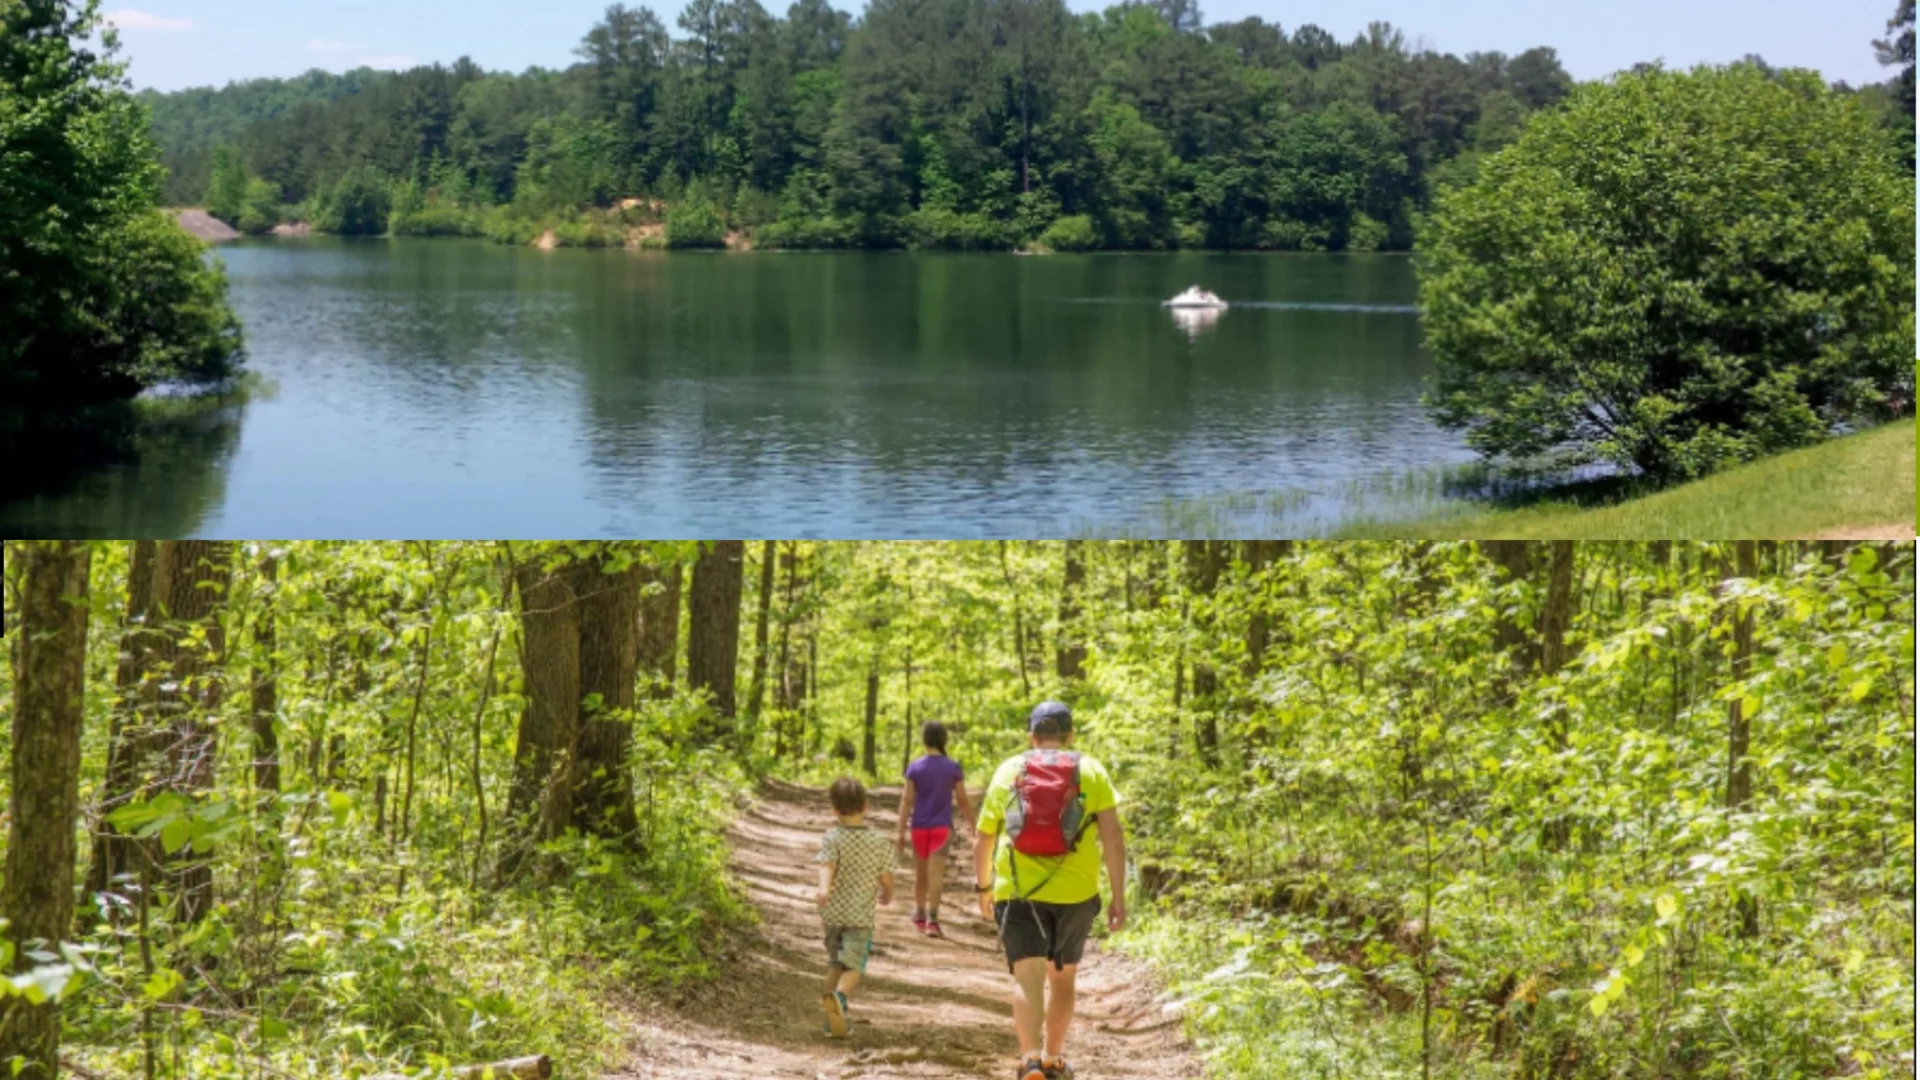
{"x": 1066, "y": 879}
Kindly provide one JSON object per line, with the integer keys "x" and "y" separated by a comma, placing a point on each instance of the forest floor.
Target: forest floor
{"x": 928, "y": 1008}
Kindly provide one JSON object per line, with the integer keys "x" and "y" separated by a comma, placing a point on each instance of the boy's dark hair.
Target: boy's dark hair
{"x": 847, "y": 795}
{"x": 933, "y": 734}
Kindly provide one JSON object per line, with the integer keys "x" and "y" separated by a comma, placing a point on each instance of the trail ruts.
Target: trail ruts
{"x": 928, "y": 1008}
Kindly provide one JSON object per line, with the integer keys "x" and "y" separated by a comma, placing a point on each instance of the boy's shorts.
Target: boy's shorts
{"x": 849, "y": 946}
{"x": 930, "y": 842}
{"x": 1058, "y": 932}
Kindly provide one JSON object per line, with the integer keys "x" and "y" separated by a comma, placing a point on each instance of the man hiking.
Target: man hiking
{"x": 1038, "y": 878}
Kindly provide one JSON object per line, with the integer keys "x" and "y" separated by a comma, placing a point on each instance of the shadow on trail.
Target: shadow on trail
{"x": 928, "y": 1008}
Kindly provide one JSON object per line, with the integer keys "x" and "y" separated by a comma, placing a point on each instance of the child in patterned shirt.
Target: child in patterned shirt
{"x": 856, "y": 864}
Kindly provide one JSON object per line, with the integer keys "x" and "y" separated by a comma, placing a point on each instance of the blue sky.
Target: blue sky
{"x": 177, "y": 43}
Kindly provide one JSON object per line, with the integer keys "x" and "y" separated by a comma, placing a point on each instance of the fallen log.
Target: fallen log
{"x": 538, "y": 1067}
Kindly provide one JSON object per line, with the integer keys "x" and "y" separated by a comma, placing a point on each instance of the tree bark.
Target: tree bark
{"x": 1515, "y": 560}
{"x": 1070, "y": 656}
{"x": 713, "y": 643}
{"x": 266, "y": 688}
{"x": 1557, "y": 616}
{"x": 1739, "y": 733}
{"x": 49, "y": 696}
{"x": 757, "y": 696}
{"x": 192, "y": 577}
{"x": 1205, "y": 559}
{"x": 129, "y": 740}
{"x": 659, "y": 627}
{"x": 549, "y": 725}
{"x": 1259, "y": 555}
{"x": 867, "y": 748}
{"x": 609, "y": 665}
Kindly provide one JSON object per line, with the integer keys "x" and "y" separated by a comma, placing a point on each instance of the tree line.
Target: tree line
{"x": 1400, "y": 809}
{"x": 934, "y": 123}
{"x": 957, "y": 123}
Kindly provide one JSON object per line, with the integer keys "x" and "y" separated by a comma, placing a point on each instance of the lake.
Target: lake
{"x": 446, "y": 388}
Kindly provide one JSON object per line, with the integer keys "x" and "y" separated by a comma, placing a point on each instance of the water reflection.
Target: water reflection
{"x": 1195, "y": 320}
{"x": 449, "y": 388}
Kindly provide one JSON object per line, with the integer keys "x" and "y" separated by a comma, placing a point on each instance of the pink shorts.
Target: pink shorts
{"x": 930, "y": 842}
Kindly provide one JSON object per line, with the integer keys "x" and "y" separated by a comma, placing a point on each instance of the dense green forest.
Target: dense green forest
{"x": 1469, "y": 810}
{"x": 936, "y": 123}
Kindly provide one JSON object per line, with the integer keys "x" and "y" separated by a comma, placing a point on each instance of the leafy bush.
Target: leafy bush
{"x": 938, "y": 229}
{"x": 1072, "y": 233}
{"x": 438, "y": 220}
{"x": 261, "y": 209}
{"x": 1365, "y": 234}
{"x": 813, "y": 232}
{"x": 695, "y": 223}
{"x": 1674, "y": 272}
{"x": 356, "y": 205}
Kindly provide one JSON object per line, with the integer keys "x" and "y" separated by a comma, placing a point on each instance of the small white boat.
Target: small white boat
{"x": 1196, "y": 297}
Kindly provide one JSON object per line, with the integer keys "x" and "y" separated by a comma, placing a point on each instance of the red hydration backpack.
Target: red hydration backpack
{"x": 1047, "y": 813}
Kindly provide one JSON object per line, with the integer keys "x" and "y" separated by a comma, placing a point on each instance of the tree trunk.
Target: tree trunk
{"x": 1071, "y": 654}
{"x": 1555, "y": 617}
{"x": 1204, "y": 562}
{"x": 659, "y": 627}
{"x": 609, "y": 663}
{"x": 1739, "y": 769}
{"x": 757, "y": 696}
{"x": 867, "y": 748}
{"x": 783, "y": 697}
{"x": 1515, "y": 560}
{"x": 1739, "y": 724}
{"x": 49, "y": 696}
{"x": 130, "y": 740}
{"x": 266, "y": 689}
{"x": 549, "y": 724}
{"x": 1019, "y": 624}
{"x": 1259, "y": 555}
{"x": 713, "y": 643}
{"x": 194, "y": 576}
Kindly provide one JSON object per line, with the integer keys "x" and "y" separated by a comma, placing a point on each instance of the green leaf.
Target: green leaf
{"x": 173, "y": 835}
{"x": 1667, "y": 905}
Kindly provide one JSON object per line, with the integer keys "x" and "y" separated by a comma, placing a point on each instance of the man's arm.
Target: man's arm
{"x": 1113, "y": 846}
{"x": 984, "y": 843}
{"x": 906, "y": 812}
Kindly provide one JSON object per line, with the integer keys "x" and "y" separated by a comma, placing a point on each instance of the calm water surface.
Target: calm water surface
{"x": 454, "y": 388}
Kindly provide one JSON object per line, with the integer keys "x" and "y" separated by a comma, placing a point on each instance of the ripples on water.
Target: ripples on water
{"x": 445, "y": 388}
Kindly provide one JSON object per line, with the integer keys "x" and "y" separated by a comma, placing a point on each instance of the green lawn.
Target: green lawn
{"x": 1860, "y": 482}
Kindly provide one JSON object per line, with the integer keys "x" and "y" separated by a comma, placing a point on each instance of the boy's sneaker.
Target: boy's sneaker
{"x": 835, "y": 1005}
{"x": 1058, "y": 1069}
{"x": 1034, "y": 1069}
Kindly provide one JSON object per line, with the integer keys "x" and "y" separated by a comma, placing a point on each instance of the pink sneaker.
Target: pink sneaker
{"x": 932, "y": 929}
{"x": 920, "y": 921}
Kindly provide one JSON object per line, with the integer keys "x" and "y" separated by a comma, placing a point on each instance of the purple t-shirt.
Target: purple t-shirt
{"x": 933, "y": 778}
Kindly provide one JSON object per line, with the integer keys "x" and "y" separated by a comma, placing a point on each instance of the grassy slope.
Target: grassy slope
{"x": 1857, "y": 482}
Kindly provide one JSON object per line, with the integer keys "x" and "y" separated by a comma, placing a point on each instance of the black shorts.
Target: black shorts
{"x": 1058, "y": 932}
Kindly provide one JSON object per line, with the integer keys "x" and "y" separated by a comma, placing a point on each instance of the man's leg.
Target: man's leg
{"x": 1029, "y": 1000}
{"x": 1059, "y": 1007}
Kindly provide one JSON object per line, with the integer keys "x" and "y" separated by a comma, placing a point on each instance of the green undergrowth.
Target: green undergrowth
{"x": 327, "y": 965}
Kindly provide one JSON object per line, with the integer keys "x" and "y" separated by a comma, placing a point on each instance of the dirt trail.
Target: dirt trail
{"x": 927, "y": 1009}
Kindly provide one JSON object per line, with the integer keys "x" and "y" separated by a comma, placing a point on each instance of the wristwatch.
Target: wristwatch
{"x": 979, "y": 888}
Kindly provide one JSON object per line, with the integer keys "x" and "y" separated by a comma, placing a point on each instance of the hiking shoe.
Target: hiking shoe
{"x": 835, "y": 1005}
{"x": 920, "y": 921}
{"x": 1058, "y": 1069}
{"x": 932, "y": 929}
{"x": 1034, "y": 1069}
